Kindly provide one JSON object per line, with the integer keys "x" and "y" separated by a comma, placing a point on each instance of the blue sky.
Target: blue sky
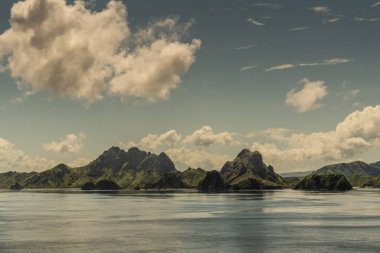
{"x": 200, "y": 80}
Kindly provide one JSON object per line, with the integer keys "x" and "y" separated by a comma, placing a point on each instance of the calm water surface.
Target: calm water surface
{"x": 269, "y": 221}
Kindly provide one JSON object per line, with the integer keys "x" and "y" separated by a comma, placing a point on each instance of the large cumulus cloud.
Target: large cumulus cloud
{"x": 358, "y": 132}
{"x": 14, "y": 159}
{"x": 82, "y": 54}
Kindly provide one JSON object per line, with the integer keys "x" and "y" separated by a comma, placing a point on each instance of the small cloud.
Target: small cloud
{"x": 205, "y": 136}
{"x": 335, "y": 61}
{"x": 244, "y": 47}
{"x": 331, "y": 20}
{"x": 185, "y": 157}
{"x": 328, "y": 62}
{"x": 81, "y": 161}
{"x": 301, "y": 28}
{"x": 351, "y": 94}
{"x": 268, "y": 5}
{"x": 254, "y": 22}
{"x": 320, "y": 9}
{"x": 376, "y": 4}
{"x": 367, "y": 19}
{"x": 310, "y": 64}
{"x": 22, "y": 98}
{"x": 271, "y": 133}
{"x": 154, "y": 141}
{"x": 307, "y": 98}
{"x": 242, "y": 69}
{"x": 281, "y": 67}
{"x": 73, "y": 143}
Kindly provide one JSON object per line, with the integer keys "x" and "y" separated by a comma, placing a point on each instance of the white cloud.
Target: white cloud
{"x": 254, "y": 22}
{"x": 205, "y": 137}
{"x": 350, "y": 94}
{"x": 128, "y": 145}
{"x": 154, "y": 141}
{"x": 300, "y": 28}
{"x": 184, "y": 157}
{"x": 166, "y": 62}
{"x": 73, "y": 143}
{"x": 332, "y": 20}
{"x": 308, "y": 97}
{"x": 281, "y": 67}
{"x": 13, "y": 159}
{"x": 335, "y": 61}
{"x": 358, "y": 132}
{"x": 246, "y": 68}
{"x": 376, "y": 4}
{"x": 268, "y": 5}
{"x": 81, "y": 161}
{"x": 278, "y": 134}
{"x": 367, "y": 19}
{"x": 79, "y": 53}
{"x": 328, "y": 62}
{"x": 320, "y": 9}
{"x": 244, "y": 47}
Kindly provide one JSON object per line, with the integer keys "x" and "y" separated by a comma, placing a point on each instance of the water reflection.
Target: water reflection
{"x": 257, "y": 221}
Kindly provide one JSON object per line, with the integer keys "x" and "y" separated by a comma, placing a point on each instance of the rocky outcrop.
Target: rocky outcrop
{"x": 88, "y": 186}
{"x": 16, "y": 187}
{"x": 213, "y": 182}
{"x": 167, "y": 181}
{"x": 248, "y": 171}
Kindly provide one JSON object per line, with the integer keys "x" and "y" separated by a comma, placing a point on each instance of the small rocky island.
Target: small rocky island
{"x": 324, "y": 182}
{"x": 246, "y": 172}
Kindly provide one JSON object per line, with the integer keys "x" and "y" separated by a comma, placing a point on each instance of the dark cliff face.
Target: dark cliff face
{"x": 166, "y": 163}
{"x": 327, "y": 182}
{"x": 213, "y": 182}
{"x": 248, "y": 171}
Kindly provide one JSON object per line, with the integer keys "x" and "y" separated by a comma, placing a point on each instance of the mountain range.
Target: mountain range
{"x": 137, "y": 169}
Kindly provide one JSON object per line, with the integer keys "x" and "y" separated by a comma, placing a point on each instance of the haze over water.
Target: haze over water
{"x": 262, "y": 221}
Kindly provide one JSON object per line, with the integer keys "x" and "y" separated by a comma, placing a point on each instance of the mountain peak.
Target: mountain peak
{"x": 134, "y": 150}
{"x": 243, "y": 153}
{"x": 254, "y": 157}
{"x": 249, "y": 167}
{"x": 113, "y": 149}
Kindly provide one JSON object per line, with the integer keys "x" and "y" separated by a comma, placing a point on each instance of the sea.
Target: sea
{"x": 187, "y": 221}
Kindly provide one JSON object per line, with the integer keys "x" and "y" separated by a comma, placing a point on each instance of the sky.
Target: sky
{"x": 200, "y": 80}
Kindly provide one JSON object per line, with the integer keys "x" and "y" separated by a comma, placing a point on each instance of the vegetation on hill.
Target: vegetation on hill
{"x": 326, "y": 182}
{"x": 358, "y": 173}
